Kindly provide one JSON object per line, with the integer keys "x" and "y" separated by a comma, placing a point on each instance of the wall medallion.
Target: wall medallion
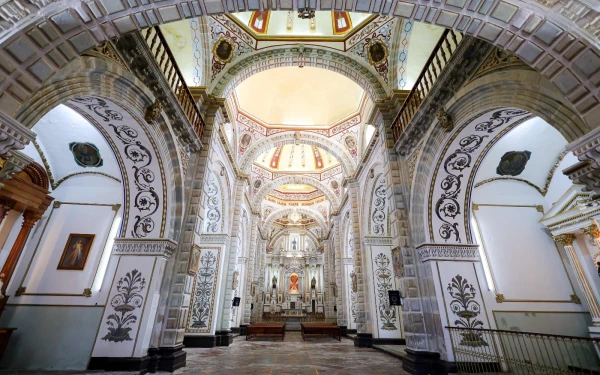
{"x": 513, "y": 163}
{"x": 377, "y": 52}
{"x": 86, "y": 154}
{"x": 350, "y": 142}
{"x": 223, "y": 50}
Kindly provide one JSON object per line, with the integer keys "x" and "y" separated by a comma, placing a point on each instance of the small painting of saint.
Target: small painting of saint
{"x": 194, "y": 261}
{"x": 377, "y": 52}
{"x": 341, "y": 22}
{"x": 513, "y": 163}
{"x": 257, "y": 184}
{"x": 76, "y": 252}
{"x": 350, "y": 142}
{"x": 397, "y": 262}
{"x": 223, "y": 50}
{"x": 334, "y": 184}
{"x": 259, "y": 22}
{"x": 245, "y": 140}
{"x": 86, "y": 154}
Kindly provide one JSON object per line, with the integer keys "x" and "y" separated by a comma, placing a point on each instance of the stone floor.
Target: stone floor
{"x": 316, "y": 356}
{"x": 319, "y": 355}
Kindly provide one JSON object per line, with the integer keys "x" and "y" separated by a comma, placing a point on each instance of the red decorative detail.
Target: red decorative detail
{"x": 318, "y": 159}
{"x": 259, "y": 22}
{"x": 341, "y": 22}
{"x": 275, "y": 158}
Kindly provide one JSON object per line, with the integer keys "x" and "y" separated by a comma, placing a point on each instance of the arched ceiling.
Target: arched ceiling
{"x": 299, "y": 97}
{"x": 297, "y": 158}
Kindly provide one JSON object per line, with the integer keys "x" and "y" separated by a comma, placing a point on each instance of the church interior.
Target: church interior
{"x": 300, "y": 187}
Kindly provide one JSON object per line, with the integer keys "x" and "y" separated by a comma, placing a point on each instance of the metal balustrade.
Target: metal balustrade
{"x": 499, "y": 351}
{"x": 167, "y": 64}
{"x": 436, "y": 63}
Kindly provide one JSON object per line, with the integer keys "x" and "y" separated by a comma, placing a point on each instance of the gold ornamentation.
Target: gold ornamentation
{"x": 593, "y": 232}
{"x": 565, "y": 239}
{"x": 475, "y": 206}
{"x": 116, "y": 207}
{"x": 377, "y": 52}
{"x": 539, "y": 208}
{"x": 445, "y": 120}
{"x": 57, "y": 184}
{"x": 542, "y": 192}
{"x": 223, "y": 50}
{"x": 20, "y": 291}
{"x": 575, "y": 299}
{"x": 153, "y": 112}
{"x": 56, "y": 204}
{"x": 87, "y": 292}
{"x": 500, "y": 298}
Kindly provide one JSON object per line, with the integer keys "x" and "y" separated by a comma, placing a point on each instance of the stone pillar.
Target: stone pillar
{"x": 567, "y": 240}
{"x": 123, "y": 340}
{"x": 29, "y": 220}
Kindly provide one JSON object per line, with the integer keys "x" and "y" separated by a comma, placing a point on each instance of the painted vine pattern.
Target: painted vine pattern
{"x": 203, "y": 292}
{"x": 213, "y": 205}
{"x": 352, "y": 299}
{"x": 447, "y": 207}
{"x": 146, "y": 200}
{"x": 378, "y": 213}
{"x": 124, "y": 303}
{"x": 384, "y": 279}
{"x": 464, "y": 305}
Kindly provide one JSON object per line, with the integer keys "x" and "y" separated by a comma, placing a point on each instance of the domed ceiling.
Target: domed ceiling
{"x": 298, "y": 97}
{"x": 297, "y": 158}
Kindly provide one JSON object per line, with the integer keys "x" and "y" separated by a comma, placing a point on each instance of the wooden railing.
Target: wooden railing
{"x": 436, "y": 63}
{"x": 166, "y": 62}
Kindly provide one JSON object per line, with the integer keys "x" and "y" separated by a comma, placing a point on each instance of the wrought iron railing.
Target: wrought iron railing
{"x": 436, "y": 63}
{"x": 167, "y": 64}
{"x": 498, "y": 351}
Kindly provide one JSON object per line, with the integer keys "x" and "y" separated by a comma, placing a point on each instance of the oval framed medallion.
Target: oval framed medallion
{"x": 223, "y": 49}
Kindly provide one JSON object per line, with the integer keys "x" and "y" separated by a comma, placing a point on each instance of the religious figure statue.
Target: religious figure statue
{"x": 294, "y": 244}
{"x": 1, "y": 285}
{"x": 235, "y": 283}
{"x": 274, "y": 282}
{"x": 313, "y": 283}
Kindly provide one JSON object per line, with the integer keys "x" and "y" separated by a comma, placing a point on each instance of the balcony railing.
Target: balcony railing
{"x": 436, "y": 63}
{"x": 498, "y": 351}
{"x": 167, "y": 64}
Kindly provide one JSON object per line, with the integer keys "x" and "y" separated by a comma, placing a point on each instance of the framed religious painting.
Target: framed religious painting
{"x": 76, "y": 252}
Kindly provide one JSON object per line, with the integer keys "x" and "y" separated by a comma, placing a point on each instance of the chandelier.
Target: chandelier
{"x": 307, "y": 13}
{"x": 294, "y": 216}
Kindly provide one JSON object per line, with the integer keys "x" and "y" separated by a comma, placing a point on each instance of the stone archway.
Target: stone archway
{"x": 562, "y": 46}
{"x": 291, "y": 137}
{"x": 313, "y": 56}
{"x": 294, "y": 179}
{"x": 312, "y": 213}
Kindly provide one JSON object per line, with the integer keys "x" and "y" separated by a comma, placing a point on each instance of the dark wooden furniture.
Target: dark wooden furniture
{"x": 266, "y": 329}
{"x": 5, "y": 334}
{"x": 321, "y": 329}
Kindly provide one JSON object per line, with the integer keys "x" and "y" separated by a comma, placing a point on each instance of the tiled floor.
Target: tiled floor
{"x": 316, "y": 356}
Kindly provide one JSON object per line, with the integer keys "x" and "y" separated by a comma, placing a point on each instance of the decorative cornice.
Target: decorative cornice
{"x": 565, "y": 239}
{"x": 434, "y": 251}
{"x": 504, "y": 178}
{"x": 16, "y": 163}
{"x": 221, "y": 239}
{"x": 151, "y": 247}
{"x": 13, "y": 135}
{"x": 384, "y": 241}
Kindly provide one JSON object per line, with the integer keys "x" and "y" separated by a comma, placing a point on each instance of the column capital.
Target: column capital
{"x": 566, "y": 239}
{"x": 30, "y": 218}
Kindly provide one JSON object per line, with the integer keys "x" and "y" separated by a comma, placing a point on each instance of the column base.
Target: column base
{"x": 167, "y": 358}
{"x": 389, "y": 342}
{"x": 363, "y": 340}
{"x": 224, "y": 338}
{"x": 203, "y": 341}
{"x": 424, "y": 363}
{"x": 243, "y": 329}
{"x": 235, "y": 331}
{"x": 140, "y": 365}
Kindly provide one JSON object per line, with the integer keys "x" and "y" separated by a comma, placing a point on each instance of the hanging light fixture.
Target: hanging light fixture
{"x": 294, "y": 216}
{"x": 306, "y": 13}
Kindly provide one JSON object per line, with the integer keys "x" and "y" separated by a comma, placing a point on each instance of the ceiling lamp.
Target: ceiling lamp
{"x": 307, "y": 13}
{"x": 294, "y": 217}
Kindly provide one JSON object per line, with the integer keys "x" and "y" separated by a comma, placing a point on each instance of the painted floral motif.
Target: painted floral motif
{"x": 146, "y": 199}
{"x": 352, "y": 299}
{"x": 378, "y": 209}
{"x": 448, "y": 207}
{"x": 383, "y": 278}
{"x": 124, "y": 303}
{"x": 213, "y": 206}
{"x": 464, "y": 306}
{"x": 203, "y": 292}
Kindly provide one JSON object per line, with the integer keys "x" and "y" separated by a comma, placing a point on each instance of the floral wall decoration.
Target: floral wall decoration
{"x": 467, "y": 309}
{"x": 351, "y": 277}
{"x": 378, "y": 219}
{"x": 457, "y": 164}
{"x": 383, "y": 283}
{"x": 201, "y": 311}
{"x": 213, "y": 222}
{"x": 125, "y": 304}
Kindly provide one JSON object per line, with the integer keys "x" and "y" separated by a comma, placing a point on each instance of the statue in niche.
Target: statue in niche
{"x": 294, "y": 244}
{"x": 274, "y": 282}
{"x": 235, "y": 283}
{"x": 313, "y": 283}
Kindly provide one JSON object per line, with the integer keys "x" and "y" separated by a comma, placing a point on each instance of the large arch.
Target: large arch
{"x": 292, "y": 137}
{"x": 301, "y": 210}
{"x": 313, "y": 56}
{"x": 294, "y": 179}
{"x": 562, "y": 46}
